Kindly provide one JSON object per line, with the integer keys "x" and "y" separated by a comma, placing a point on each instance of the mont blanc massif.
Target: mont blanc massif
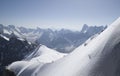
{"x": 91, "y": 51}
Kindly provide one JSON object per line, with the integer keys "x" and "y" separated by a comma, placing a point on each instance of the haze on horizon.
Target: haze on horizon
{"x": 71, "y": 14}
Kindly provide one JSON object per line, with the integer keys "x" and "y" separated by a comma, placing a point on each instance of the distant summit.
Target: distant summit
{"x": 84, "y": 28}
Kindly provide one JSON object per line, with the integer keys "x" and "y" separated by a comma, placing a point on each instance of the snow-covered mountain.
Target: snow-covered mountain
{"x": 39, "y": 57}
{"x": 98, "y": 56}
{"x": 10, "y": 31}
{"x": 20, "y": 41}
{"x": 45, "y": 55}
{"x": 13, "y": 46}
{"x": 63, "y": 40}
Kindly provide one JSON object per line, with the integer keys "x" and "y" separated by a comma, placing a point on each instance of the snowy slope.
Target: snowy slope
{"x": 38, "y": 58}
{"x": 99, "y": 57}
{"x": 45, "y": 54}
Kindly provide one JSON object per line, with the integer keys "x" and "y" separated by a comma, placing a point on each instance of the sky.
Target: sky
{"x": 71, "y": 14}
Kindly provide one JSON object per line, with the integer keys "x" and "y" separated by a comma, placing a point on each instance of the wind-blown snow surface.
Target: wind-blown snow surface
{"x": 98, "y": 57}
{"x": 45, "y": 54}
{"x": 38, "y": 58}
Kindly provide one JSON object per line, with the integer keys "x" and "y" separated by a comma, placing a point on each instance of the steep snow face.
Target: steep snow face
{"x": 17, "y": 66}
{"x": 37, "y": 59}
{"x": 100, "y": 57}
{"x": 45, "y": 54}
{"x": 25, "y": 68}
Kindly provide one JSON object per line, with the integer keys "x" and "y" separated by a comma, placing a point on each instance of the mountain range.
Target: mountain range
{"x": 63, "y": 40}
{"x": 98, "y": 56}
{"x": 18, "y": 43}
{"x": 12, "y": 46}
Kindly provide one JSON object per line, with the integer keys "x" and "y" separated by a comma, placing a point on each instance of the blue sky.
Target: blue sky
{"x": 71, "y": 14}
